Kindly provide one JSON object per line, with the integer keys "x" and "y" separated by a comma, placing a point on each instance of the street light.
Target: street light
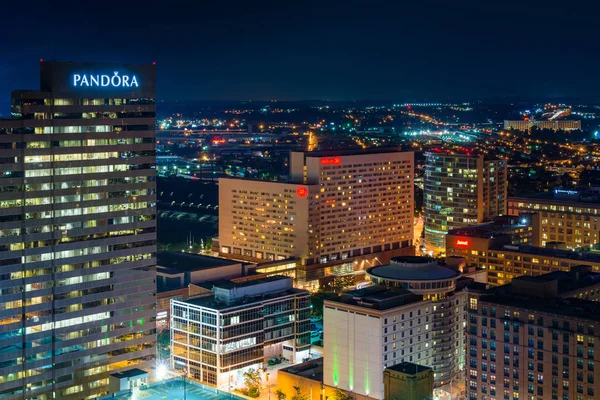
{"x": 269, "y": 385}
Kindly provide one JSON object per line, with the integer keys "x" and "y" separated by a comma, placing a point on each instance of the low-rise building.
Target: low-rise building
{"x": 408, "y": 381}
{"x": 176, "y": 271}
{"x": 215, "y": 339}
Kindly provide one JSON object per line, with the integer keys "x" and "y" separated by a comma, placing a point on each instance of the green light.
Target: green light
{"x": 336, "y": 371}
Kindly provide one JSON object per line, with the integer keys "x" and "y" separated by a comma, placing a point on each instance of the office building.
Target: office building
{"x": 178, "y": 273}
{"x": 77, "y": 230}
{"x": 567, "y": 216}
{"x": 460, "y": 190}
{"x": 415, "y": 313}
{"x": 408, "y": 381}
{"x": 215, "y": 339}
{"x": 471, "y": 241}
{"x": 337, "y": 208}
{"x": 555, "y": 125}
{"x": 529, "y": 340}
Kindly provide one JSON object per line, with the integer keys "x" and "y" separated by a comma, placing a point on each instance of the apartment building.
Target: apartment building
{"x": 530, "y": 340}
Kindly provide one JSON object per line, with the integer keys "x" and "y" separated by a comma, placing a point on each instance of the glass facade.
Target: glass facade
{"x": 213, "y": 343}
{"x": 460, "y": 190}
{"x": 77, "y": 229}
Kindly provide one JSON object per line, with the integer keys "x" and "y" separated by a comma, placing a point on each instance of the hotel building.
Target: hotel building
{"x": 216, "y": 338}
{"x": 530, "y": 340}
{"x": 77, "y": 230}
{"x": 505, "y": 261}
{"x": 460, "y": 190}
{"x": 336, "y": 208}
{"x": 555, "y": 125}
{"x": 567, "y": 216}
{"x": 472, "y": 241}
{"x": 415, "y": 313}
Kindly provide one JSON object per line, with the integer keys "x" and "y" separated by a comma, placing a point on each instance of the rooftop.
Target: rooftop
{"x": 561, "y": 196}
{"x": 312, "y": 369}
{"x": 547, "y": 252}
{"x": 578, "y": 278}
{"x": 378, "y": 297}
{"x": 174, "y": 262}
{"x": 412, "y": 268}
{"x": 409, "y": 368}
{"x": 215, "y": 303}
{"x": 499, "y": 227}
{"x": 174, "y": 389}
{"x": 530, "y": 292}
{"x": 354, "y": 152}
{"x": 130, "y": 373}
{"x": 569, "y": 307}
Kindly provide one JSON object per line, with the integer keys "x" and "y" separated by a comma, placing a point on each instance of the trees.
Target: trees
{"x": 280, "y": 395}
{"x": 341, "y": 395}
{"x": 297, "y": 395}
{"x": 253, "y": 382}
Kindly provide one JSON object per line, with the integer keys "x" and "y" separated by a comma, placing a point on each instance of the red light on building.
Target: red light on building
{"x": 462, "y": 243}
{"x": 302, "y": 192}
{"x": 331, "y": 161}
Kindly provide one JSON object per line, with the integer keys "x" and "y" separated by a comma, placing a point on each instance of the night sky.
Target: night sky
{"x": 335, "y": 50}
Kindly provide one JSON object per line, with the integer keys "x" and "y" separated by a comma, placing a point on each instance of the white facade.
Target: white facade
{"x": 360, "y": 343}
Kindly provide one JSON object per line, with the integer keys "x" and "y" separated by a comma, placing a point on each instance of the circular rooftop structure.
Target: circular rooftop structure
{"x": 421, "y": 275}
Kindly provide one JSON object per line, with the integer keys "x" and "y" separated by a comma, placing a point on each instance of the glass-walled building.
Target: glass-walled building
{"x": 215, "y": 339}
{"x": 77, "y": 230}
{"x": 460, "y": 190}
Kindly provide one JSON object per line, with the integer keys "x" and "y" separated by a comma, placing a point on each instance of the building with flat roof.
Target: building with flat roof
{"x": 528, "y": 340}
{"x": 460, "y": 190}
{"x": 567, "y": 216}
{"x": 77, "y": 230}
{"x": 408, "y": 381}
{"x": 415, "y": 313}
{"x": 505, "y": 262}
{"x": 555, "y": 125}
{"x": 215, "y": 339}
{"x": 470, "y": 241}
{"x": 337, "y": 208}
{"x": 176, "y": 271}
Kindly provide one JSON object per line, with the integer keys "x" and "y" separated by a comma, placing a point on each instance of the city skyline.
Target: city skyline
{"x": 311, "y": 200}
{"x": 328, "y": 50}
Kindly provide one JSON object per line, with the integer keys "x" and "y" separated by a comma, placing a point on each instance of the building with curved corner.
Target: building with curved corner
{"x": 415, "y": 313}
{"x": 460, "y": 190}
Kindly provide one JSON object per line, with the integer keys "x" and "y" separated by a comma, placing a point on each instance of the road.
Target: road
{"x": 418, "y": 230}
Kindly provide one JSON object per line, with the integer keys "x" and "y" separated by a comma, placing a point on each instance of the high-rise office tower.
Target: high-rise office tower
{"x": 77, "y": 230}
{"x": 460, "y": 190}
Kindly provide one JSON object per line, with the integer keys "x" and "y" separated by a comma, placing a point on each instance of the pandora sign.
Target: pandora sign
{"x": 116, "y": 80}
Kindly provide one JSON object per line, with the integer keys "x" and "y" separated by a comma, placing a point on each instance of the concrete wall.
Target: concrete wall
{"x": 353, "y": 352}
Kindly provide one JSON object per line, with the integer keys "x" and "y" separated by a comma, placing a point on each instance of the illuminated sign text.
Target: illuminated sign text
{"x": 240, "y": 344}
{"x": 302, "y": 192}
{"x": 331, "y": 161}
{"x": 85, "y": 80}
{"x": 462, "y": 242}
